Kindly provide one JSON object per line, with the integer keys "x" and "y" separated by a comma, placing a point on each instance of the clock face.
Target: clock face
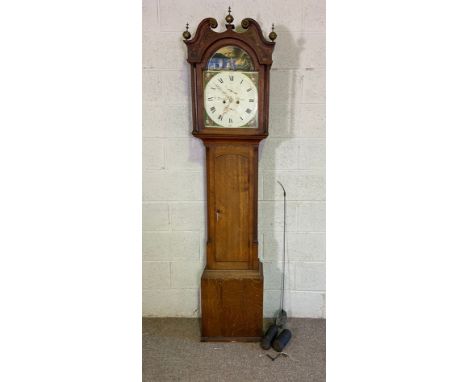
{"x": 231, "y": 99}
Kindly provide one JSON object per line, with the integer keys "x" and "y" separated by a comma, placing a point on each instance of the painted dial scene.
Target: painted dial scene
{"x": 231, "y": 99}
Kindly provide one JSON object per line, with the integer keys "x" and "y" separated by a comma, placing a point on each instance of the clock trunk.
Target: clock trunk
{"x": 232, "y": 205}
{"x": 231, "y": 234}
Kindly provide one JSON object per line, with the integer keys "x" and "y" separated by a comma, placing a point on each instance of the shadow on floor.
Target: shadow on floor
{"x": 172, "y": 351}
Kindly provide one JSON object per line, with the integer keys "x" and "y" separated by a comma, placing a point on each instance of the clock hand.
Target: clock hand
{"x": 228, "y": 108}
{"x": 229, "y": 104}
{"x": 222, "y": 91}
{"x": 232, "y": 91}
{"x": 229, "y": 100}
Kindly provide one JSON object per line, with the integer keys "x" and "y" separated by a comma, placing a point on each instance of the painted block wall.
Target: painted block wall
{"x": 174, "y": 204}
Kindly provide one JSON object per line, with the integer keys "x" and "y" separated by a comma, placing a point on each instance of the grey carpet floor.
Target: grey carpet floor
{"x": 172, "y": 351}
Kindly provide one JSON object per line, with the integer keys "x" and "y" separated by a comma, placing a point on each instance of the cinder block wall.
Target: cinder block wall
{"x": 173, "y": 161}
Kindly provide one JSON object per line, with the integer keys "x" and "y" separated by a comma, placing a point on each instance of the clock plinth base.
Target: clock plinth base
{"x": 232, "y": 305}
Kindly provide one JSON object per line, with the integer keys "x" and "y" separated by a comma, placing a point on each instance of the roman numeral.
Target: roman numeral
{"x": 230, "y": 120}
{"x": 213, "y": 109}
{"x": 212, "y": 88}
{"x": 242, "y": 81}
{"x": 250, "y": 100}
{"x": 231, "y": 78}
{"x": 220, "y": 117}
{"x": 211, "y": 99}
{"x": 249, "y": 89}
{"x": 248, "y": 111}
{"x": 220, "y": 80}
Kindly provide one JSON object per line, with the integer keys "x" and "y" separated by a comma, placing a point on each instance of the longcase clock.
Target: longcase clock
{"x": 230, "y": 97}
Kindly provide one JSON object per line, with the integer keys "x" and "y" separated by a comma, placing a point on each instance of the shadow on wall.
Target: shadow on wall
{"x": 285, "y": 95}
{"x": 197, "y": 154}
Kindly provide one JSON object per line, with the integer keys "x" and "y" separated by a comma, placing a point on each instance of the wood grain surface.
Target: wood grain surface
{"x": 232, "y": 283}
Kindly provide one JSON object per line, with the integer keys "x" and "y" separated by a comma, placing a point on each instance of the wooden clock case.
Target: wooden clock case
{"x": 232, "y": 282}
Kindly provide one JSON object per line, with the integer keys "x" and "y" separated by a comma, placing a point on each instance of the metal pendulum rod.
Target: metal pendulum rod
{"x": 282, "y": 312}
{"x": 273, "y": 337}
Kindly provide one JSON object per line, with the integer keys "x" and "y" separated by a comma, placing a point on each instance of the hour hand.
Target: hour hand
{"x": 219, "y": 87}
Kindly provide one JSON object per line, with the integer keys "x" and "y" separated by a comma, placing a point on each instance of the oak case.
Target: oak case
{"x": 232, "y": 282}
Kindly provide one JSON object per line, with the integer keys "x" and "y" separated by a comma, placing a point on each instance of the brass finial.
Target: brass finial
{"x": 229, "y": 19}
{"x": 186, "y": 34}
{"x": 272, "y": 34}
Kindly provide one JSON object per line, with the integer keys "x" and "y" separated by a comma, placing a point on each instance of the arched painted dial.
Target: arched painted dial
{"x": 231, "y": 99}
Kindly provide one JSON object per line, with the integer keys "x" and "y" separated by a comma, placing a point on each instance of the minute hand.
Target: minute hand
{"x": 219, "y": 87}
